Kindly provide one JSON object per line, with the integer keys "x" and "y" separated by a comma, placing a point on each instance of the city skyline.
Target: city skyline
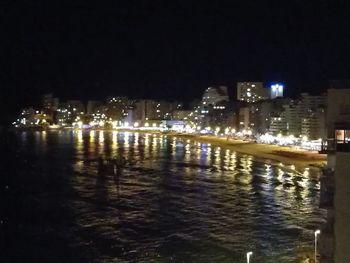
{"x": 175, "y": 131}
{"x": 171, "y": 50}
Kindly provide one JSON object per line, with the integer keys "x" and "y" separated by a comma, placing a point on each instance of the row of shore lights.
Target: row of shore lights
{"x": 154, "y": 125}
{"x": 316, "y": 233}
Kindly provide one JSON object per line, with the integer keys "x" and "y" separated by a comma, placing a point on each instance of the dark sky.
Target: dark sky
{"x": 170, "y": 49}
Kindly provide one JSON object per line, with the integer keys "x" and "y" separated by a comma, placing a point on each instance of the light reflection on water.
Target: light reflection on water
{"x": 182, "y": 200}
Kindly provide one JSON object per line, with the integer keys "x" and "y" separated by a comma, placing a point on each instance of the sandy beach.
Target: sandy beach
{"x": 274, "y": 153}
{"x": 266, "y": 152}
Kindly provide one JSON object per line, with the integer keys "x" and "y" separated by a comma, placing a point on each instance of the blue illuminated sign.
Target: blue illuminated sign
{"x": 276, "y": 91}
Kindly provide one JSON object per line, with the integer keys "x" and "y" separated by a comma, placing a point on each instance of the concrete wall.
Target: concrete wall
{"x": 342, "y": 208}
{"x": 338, "y": 108}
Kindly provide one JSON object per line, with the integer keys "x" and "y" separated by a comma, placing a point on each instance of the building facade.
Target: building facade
{"x": 154, "y": 110}
{"x": 251, "y": 91}
{"x": 313, "y": 125}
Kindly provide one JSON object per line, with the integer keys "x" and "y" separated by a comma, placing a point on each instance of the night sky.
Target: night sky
{"x": 167, "y": 49}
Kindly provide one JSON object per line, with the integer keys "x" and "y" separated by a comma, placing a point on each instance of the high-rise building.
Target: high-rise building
{"x": 313, "y": 102}
{"x": 244, "y": 118}
{"x": 313, "y": 124}
{"x": 278, "y": 125}
{"x": 251, "y": 91}
{"x": 154, "y": 110}
{"x": 288, "y": 120}
{"x": 221, "y": 115}
{"x": 293, "y": 115}
{"x": 266, "y": 113}
{"x": 313, "y": 121}
{"x": 214, "y": 95}
{"x": 260, "y": 115}
{"x": 49, "y": 102}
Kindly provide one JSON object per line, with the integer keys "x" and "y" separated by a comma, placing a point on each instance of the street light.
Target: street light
{"x": 249, "y": 254}
{"x": 317, "y": 232}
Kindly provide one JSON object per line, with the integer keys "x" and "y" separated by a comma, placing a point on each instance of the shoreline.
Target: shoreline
{"x": 267, "y": 152}
{"x": 271, "y": 153}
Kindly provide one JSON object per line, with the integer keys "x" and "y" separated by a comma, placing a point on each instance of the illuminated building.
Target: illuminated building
{"x": 26, "y": 118}
{"x": 266, "y": 113}
{"x": 220, "y": 115}
{"x": 214, "y": 95}
{"x": 98, "y": 116}
{"x": 181, "y": 114}
{"x": 32, "y": 118}
{"x": 116, "y": 108}
{"x": 286, "y": 118}
{"x": 251, "y": 91}
{"x": 154, "y": 110}
{"x": 276, "y": 90}
{"x": 211, "y": 98}
{"x": 292, "y": 114}
{"x": 69, "y": 112}
{"x": 278, "y": 125}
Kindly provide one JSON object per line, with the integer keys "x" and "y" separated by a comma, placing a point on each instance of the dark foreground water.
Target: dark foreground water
{"x": 180, "y": 201}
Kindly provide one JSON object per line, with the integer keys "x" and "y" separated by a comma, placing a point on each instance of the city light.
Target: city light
{"x": 276, "y": 91}
{"x": 121, "y": 150}
{"x": 249, "y": 254}
{"x": 317, "y": 232}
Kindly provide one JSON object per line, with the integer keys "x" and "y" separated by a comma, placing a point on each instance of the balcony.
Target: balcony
{"x": 333, "y": 145}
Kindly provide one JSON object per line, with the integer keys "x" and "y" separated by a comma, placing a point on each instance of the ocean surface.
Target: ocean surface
{"x": 176, "y": 201}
